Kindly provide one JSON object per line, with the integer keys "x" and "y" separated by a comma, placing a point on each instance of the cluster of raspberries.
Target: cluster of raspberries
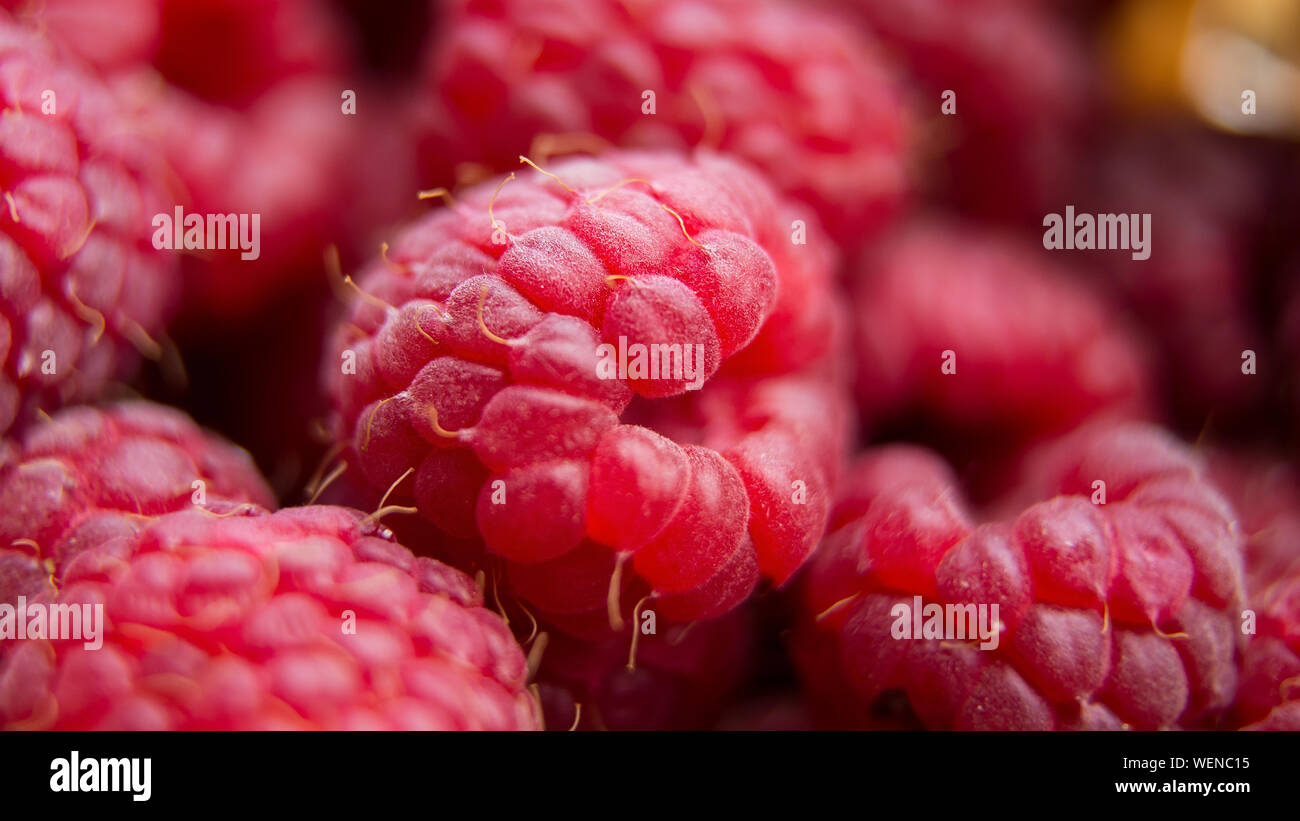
{"x": 647, "y": 402}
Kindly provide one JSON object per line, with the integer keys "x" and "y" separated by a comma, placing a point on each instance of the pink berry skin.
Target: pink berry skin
{"x": 478, "y": 366}
{"x": 1114, "y": 614}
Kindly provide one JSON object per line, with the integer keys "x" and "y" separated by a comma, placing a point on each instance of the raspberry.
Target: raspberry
{"x": 250, "y": 119}
{"x": 473, "y": 365}
{"x": 242, "y": 622}
{"x": 81, "y": 289}
{"x": 190, "y": 42}
{"x": 680, "y": 680}
{"x": 89, "y": 477}
{"x": 1034, "y": 352}
{"x": 1014, "y": 136}
{"x": 790, "y": 89}
{"x": 1110, "y": 615}
{"x": 301, "y": 142}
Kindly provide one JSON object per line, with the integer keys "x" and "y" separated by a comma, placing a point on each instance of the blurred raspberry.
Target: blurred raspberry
{"x": 1012, "y": 146}
{"x": 791, "y": 89}
{"x": 1114, "y": 615}
{"x": 246, "y": 98}
{"x": 191, "y": 42}
{"x": 307, "y": 618}
{"x": 982, "y": 346}
{"x": 81, "y": 288}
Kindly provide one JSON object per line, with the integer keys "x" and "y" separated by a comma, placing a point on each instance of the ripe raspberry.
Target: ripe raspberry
{"x": 89, "y": 477}
{"x": 81, "y": 289}
{"x": 681, "y": 679}
{"x": 1114, "y": 615}
{"x": 474, "y": 364}
{"x": 1034, "y": 353}
{"x": 307, "y": 618}
{"x": 1014, "y": 138}
{"x": 790, "y": 89}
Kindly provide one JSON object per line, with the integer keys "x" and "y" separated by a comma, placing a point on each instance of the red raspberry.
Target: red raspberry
{"x": 308, "y": 618}
{"x": 1121, "y": 614}
{"x": 81, "y": 288}
{"x": 302, "y": 143}
{"x": 1034, "y": 352}
{"x": 191, "y": 42}
{"x": 89, "y": 477}
{"x": 679, "y": 679}
{"x": 790, "y": 89}
{"x": 244, "y": 97}
{"x": 475, "y": 366}
{"x": 1013, "y": 143}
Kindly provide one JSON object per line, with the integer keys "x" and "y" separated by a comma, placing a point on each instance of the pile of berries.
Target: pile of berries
{"x": 619, "y": 364}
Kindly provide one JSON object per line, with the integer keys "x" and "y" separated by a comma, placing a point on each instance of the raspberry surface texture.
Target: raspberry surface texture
{"x": 475, "y": 364}
{"x": 1115, "y": 615}
{"x": 81, "y": 288}
{"x": 788, "y": 88}
{"x": 308, "y": 618}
